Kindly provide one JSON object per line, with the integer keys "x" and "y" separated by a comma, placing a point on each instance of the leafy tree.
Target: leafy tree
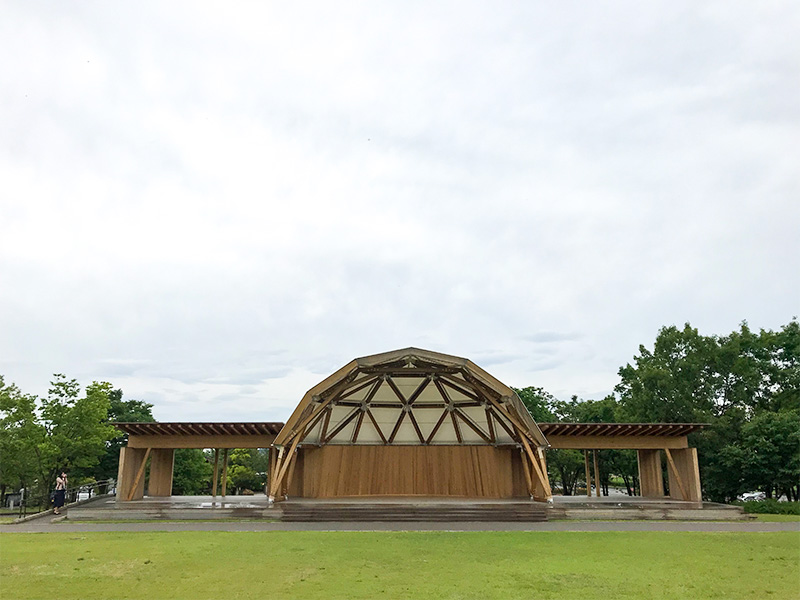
{"x": 565, "y": 467}
{"x": 120, "y": 411}
{"x": 76, "y": 428}
{"x": 675, "y": 383}
{"x": 538, "y": 402}
{"x": 242, "y": 472}
{"x": 770, "y": 456}
{"x": 191, "y": 473}
{"x": 20, "y": 438}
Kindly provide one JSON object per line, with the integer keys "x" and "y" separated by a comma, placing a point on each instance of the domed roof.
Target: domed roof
{"x": 411, "y": 397}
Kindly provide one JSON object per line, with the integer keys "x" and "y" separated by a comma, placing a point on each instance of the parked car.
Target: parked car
{"x": 752, "y": 496}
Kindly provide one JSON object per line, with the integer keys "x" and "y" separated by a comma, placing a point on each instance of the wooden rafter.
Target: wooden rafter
{"x": 416, "y": 425}
{"x": 456, "y": 385}
{"x": 490, "y": 425}
{"x": 417, "y": 392}
{"x": 358, "y": 426}
{"x": 396, "y": 391}
{"x": 327, "y": 421}
{"x": 472, "y": 425}
{"x": 455, "y": 426}
{"x": 361, "y": 384}
{"x": 342, "y": 424}
{"x": 504, "y": 425}
{"x": 437, "y": 426}
{"x": 375, "y": 424}
{"x": 397, "y": 425}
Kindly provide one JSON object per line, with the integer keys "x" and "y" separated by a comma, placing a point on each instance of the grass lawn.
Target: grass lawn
{"x": 776, "y": 518}
{"x": 419, "y": 565}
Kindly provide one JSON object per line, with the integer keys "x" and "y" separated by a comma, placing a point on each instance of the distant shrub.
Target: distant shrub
{"x": 770, "y": 507}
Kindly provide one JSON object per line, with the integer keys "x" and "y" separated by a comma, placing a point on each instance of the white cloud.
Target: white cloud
{"x": 202, "y": 202}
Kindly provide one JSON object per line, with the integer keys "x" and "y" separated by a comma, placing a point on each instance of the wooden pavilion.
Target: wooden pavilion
{"x": 410, "y": 423}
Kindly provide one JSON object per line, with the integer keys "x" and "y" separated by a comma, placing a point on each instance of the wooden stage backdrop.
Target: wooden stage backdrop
{"x": 361, "y": 470}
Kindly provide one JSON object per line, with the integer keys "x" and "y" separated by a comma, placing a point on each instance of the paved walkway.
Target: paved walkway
{"x": 47, "y": 525}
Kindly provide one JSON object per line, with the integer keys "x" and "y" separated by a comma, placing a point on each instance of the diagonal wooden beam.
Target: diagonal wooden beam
{"x": 138, "y": 477}
{"x": 502, "y": 410}
{"x": 420, "y": 388}
{"x": 416, "y": 425}
{"x": 455, "y": 426}
{"x": 526, "y": 468}
{"x": 375, "y": 425}
{"x": 504, "y": 425}
{"x": 353, "y": 414}
{"x": 357, "y": 427}
{"x": 396, "y": 390}
{"x": 324, "y": 431}
{"x": 472, "y": 425}
{"x": 362, "y": 384}
{"x": 286, "y": 460}
{"x": 397, "y": 425}
{"x": 459, "y": 388}
{"x": 678, "y": 478}
{"x": 490, "y": 425}
{"x": 438, "y": 424}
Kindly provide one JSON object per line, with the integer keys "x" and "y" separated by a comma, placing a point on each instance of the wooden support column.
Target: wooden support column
{"x": 650, "y": 480}
{"x": 162, "y": 461}
{"x": 216, "y": 473}
{"x": 138, "y": 481}
{"x": 225, "y": 471}
{"x": 130, "y": 460}
{"x": 684, "y": 475}
{"x": 539, "y": 489}
{"x": 588, "y": 473}
{"x": 273, "y": 461}
{"x": 596, "y": 475}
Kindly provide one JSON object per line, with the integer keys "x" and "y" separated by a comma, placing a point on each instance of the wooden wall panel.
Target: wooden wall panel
{"x": 687, "y": 465}
{"x": 467, "y": 471}
{"x": 650, "y": 477}
{"x": 162, "y": 461}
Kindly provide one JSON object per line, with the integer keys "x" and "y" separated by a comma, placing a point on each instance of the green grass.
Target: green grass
{"x": 419, "y": 565}
{"x": 776, "y": 518}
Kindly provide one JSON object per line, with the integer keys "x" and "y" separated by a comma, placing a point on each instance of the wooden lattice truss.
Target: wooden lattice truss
{"x": 411, "y": 397}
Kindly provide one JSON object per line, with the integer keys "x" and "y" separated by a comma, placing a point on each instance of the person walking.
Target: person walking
{"x": 61, "y": 492}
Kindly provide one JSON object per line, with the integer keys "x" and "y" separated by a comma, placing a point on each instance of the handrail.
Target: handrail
{"x": 97, "y": 488}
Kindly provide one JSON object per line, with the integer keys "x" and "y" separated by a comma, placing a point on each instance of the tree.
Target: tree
{"x": 538, "y": 402}
{"x": 120, "y": 411}
{"x": 76, "y": 428}
{"x": 675, "y": 383}
{"x": 191, "y": 473}
{"x": 20, "y": 438}
{"x": 770, "y": 456}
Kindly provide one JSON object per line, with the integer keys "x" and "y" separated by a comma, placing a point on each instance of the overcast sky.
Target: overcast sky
{"x": 214, "y": 206}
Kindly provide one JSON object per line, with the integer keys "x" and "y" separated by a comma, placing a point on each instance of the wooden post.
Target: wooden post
{"x": 216, "y": 473}
{"x": 588, "y": 473}
{"x": 596, "y": 475}
{"x": 224, "y": 471}
{"x": 677, "y": 477}
{"x": 273, "y": 453}
{"x": 685, "y": 470}
{"x": 130, "y": 460}
{"x": 286, "y": 460}
{"x": 289, "y": 475}
{"x": 139, "y": 474}
{"x": 527, "y": 470}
